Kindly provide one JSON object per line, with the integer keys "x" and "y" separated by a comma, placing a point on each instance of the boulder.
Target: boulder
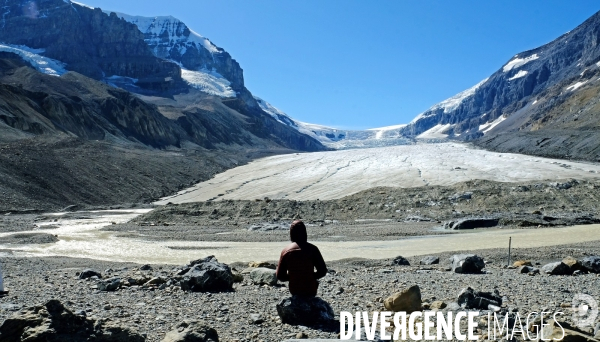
{"x": 110, "y": 284}
{"x": 520, "y": 263}
{"x": 400, "y": 260}
{"x": 556, "y": 268}
{"x": 467, "y": 263}
{"x": 528, "y": 269}
{"x": 305, "y": 310}
{"x": 438, "y": 305}
{"x": 255, "y": 264}
{"x": 263, "y": 276}
{"x": 407, "y": 300}
{"x": 573, "y": 264}
{"x": 591, "y": 263}
{"x": 52, "y": 322}
{"x": 429, "y": 260}
{"x": 155, "y": 281}
{"x": 256, "y": 319}
{"x": 472, "y": 223}
{"x": 192, "y": 331}
{"x": 459, "y": 196}
{"x": 207, "y": 275}
{"x": 238, "y": 277}
{"x": 146, "y": 268}
{"x": 471, "y": 299}
{"x": 88, "y": 273}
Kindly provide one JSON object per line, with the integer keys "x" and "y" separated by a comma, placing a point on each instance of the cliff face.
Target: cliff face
{"x": 171, "y": 39}
{"x": 87, "y": 40}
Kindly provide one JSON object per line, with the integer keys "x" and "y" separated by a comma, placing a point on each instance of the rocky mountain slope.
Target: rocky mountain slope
{"x": 74, "y": 78}
{"x": 542, "y": 101}
{"x": 149, "y": 56}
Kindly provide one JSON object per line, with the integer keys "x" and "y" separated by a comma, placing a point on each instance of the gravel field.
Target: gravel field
{"x": 352, "y": 285}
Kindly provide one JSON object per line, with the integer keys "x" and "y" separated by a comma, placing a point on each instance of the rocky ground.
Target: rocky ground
{"x": 100, "y": 174}
{"x": 351, "y": 285}
{"x": 375, "y": 214}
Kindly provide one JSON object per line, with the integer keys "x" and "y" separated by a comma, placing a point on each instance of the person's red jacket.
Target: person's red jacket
{"x": 298, "y": 262}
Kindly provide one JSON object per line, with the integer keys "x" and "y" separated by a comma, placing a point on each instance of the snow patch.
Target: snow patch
{"x": 435, "y": 132}
{"x": 576, "y": 86}
{"x": 519, "y": 62}
{"x": 486, "y": 127}
{"x": 43, "y": 64}
{"x": 80, "y": 4}
{"x": 208, "y": 81}
{"x": 520, "y": 74}
{"x": 381, "y": 130}
{"x": 159, "y": 30}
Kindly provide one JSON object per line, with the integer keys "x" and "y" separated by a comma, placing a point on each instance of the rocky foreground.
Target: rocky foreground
{"x": 150, "y": 301}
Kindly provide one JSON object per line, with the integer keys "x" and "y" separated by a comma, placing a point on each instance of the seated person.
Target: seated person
{"x": 298, "y": 262}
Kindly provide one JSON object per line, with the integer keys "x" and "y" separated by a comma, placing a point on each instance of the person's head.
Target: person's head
{"x": 298, "y": 232}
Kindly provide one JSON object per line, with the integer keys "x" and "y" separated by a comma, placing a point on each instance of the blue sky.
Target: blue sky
{"x": 363, "y": 64}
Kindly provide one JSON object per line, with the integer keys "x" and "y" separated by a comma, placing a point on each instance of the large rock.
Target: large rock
{"x": 528, "y": 269}
{"x": 263, "y": 276}
{"x": 467, "y": 263}
{"x": 400, "y": 260}
{"x": 429, "y": 260}
{"x": 407, "y": 300}
{"x": 111, "y": 284}
{"x": 305, "y": 310}
{"x": 192, "y": 331}
{"x": 472, "y": 223}
{"x": 471, "y": 299}
{"x": 520, "y": 263}
{"x": 88, "y": 273}
{"x": 207, "y": 275}
{"x": 556, "y": 268}
{"x": 591, "y": 263}
{"x": 52, "y": 322}
{"x": 574, "y": 264}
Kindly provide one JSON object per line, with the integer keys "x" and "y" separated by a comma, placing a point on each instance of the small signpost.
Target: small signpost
{"x": 509, "y": 243}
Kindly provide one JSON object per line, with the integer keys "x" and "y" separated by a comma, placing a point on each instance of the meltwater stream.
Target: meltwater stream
{"x": 80, "y": 237}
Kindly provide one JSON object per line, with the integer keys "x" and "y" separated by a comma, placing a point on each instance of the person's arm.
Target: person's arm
{"x": 282, "y": 269}
{"x": 319, "y": 264}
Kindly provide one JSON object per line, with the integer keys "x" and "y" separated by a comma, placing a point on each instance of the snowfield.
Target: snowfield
{"x": 34, "y": 57}
{"x": 339, "y": 139}
{"x": 330, "y": 175}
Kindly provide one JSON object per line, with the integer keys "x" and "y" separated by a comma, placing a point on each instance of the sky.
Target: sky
{"x": 362, "y": 64}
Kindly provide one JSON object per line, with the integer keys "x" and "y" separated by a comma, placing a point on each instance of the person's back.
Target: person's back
{"x": 298, "y": 261}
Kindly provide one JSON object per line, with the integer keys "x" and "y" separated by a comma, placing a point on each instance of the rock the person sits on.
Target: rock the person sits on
{"x": 302, "y": 264}
{"x": 298, "y": 262}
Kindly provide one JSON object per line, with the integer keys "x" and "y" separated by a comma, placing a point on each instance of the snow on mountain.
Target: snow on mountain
{"x": 170, "y": 39}
{"x": 210, "y": 82}
{"x": 518, "y": 62}
{"x": 450, "y": 104}
{"x": 339, "y": 139}
{"x": 43, "y": 64}
{"x": 164, "y": 33}
{"x": 488, "y": 126}
{"x": 436, "y": 132}
{"x": 379, "y": 132}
